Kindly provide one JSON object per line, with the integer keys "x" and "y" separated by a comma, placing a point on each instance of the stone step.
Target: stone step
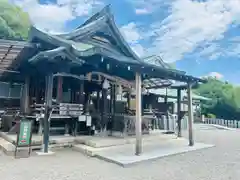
{"x": 6, "y": 146}
{"x": 103, "y": 142}
{"x": 84, "y": 149}
{"x": 92, "y": 151}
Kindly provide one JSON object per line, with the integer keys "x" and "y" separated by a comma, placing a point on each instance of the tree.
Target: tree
{"x": 14, "y": 22}
{"x": 225, "y": 99}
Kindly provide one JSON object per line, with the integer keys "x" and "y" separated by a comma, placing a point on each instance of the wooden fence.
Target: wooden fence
{"x": 223, "y": 122}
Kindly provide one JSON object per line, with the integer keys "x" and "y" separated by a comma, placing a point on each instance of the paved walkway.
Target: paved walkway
{"x": 218, "y": 163}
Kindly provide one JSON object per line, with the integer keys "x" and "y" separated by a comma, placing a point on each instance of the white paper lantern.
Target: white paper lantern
{"x": 106, "y": 84}
{"x": 119, "y": 89}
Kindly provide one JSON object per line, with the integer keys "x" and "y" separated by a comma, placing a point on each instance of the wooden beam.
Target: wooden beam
{"x": 190, "y": 115}
{"x": 138, "y": 122}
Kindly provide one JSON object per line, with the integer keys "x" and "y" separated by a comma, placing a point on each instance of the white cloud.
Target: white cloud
{"x": 133, "y": 36}
{"x": 148, "y": 6}
{"x": 139, "y": 50}
{"x": 131, "y": 33}
{"x": 215, "y": 75}
{"x": 191, "y": 24}
{"x": 54, "y": 16}
{"x": 142, "y": 11}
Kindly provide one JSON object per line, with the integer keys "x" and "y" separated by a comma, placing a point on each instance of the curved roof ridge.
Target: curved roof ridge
{"x": 157, "y": 59}
{"x": 104, "y": 12}
{"x": 99, "y": 23}
{"x": 122, "y": 39}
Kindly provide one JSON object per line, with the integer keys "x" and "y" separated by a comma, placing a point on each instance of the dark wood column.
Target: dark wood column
{"x": 190, "y": 115}
{"x": 138, "y": 121}
{"x": 113, "y": 105}
{"x": 179, "y": 112}
{"x": 25, "y": 96}
{"x": 104, "y": 115}
{"x": 167, "y": 112}
{"x": 48, "y": 108}
{"x": 129, "y": 98}
{"x": 59, "y": 89}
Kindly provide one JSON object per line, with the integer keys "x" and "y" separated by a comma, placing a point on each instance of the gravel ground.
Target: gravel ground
{"x": 218, "y": 163}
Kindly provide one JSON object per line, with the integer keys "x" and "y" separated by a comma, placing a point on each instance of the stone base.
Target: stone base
{"x": 124, "y": 155}
{"x": 49, "y": 153}
{"x": 222, "y": 127}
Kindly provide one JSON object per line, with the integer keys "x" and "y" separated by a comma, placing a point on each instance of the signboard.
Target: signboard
{"x": 67, "y": 109}
{"x": 25, "y": 133}
{"x": 82, "y": 118}
{"x": 89, "y": 120}
{"x": 24, "y": 136}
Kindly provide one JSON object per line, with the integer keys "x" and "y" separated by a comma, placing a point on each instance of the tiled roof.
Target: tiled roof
{"x": 9, "y": 51}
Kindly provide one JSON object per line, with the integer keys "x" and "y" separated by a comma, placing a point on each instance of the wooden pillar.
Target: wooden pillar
{"x": 190, "y": 115}
{"x": 81, "y": 94}
{"x": 113, "y": 107}
{"x": 25, "y": 96}
{"x": 129, "y": 99}
{"x": 111, "y": 98}
{"x": 138, "y": 122}
{"x": 104, "y": 115}
{"x": 59, "y": 89}
{"x": 48, "y": 107}
{"x": 98, "y": 100}
{"x": 167, "y": 113}
{"x": 38, "y": 93}
{"x": 179, "y": 112}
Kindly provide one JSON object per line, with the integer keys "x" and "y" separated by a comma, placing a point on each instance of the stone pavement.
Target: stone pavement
{"x": 124, "y": 155}
{"x": 217, "y": 163}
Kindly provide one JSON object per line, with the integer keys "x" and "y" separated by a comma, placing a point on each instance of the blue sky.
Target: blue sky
{"x": 201, "y": 36}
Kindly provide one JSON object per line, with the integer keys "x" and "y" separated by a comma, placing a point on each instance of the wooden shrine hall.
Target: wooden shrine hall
{"x": 81, "y": 76}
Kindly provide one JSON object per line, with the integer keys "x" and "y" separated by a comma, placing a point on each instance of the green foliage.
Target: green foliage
{"x": 14, "y": 23}
{"x": 225, "y": 99}
{"x": 211, "y": 116}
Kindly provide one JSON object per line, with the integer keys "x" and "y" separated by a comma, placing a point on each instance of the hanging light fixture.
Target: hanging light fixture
{"x": 119, "y": 92}
{"x": 108, "y": 66}
{"x": 105, "y": 84}
{"x": 119, "y": 89}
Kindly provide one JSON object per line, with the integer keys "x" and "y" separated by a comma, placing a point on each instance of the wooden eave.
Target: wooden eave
{"x": 10, "y": 52}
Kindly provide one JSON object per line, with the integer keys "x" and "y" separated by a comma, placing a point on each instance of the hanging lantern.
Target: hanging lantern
{"x": 108, "y": 66}
{"x": 89, "y": 76}
{"x": 105, "y": 84}
{"x": 119, "y": 89}
{"x": 91, "y": 102}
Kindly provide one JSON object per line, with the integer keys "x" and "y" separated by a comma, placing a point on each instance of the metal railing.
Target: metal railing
{"x": 223, "y": 122}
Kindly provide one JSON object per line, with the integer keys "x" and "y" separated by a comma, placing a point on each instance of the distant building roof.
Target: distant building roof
{"x": 172, "y": 94}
